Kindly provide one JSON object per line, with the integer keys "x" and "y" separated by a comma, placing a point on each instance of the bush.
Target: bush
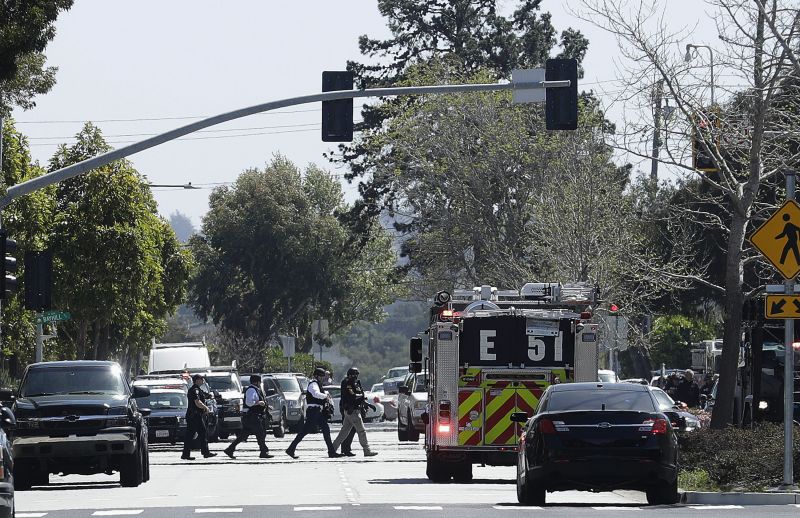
{"x": 736, "y": 458}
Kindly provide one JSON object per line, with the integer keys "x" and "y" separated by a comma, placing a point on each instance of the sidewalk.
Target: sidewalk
{"x": 734, "y": 498}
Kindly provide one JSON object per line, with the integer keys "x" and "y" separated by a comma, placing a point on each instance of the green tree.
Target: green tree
{"x": 118, "y": 267}
{"x": 669, "y": 339}
{"x": 26, "y": 27}
{"x": 273, "y": 256}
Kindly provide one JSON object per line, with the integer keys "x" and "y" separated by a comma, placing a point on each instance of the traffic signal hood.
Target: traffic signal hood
{"x": 8, "y": 281}
{"x": 337, "y": 116}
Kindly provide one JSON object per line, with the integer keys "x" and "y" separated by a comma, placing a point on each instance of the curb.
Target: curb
{"x": 696, "y": 497}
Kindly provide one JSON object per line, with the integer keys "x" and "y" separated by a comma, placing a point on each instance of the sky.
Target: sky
{"x": 141, "y": 67}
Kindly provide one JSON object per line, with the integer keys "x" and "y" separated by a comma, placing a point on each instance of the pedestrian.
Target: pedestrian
{"x": 352, "y": 399}
{"x": 253, "y": 420}
{"x": 317, "y": 401}
{"x": 194, "y": 419}
{"x": 687, "y": 390}
{"x": 347, "y": 444}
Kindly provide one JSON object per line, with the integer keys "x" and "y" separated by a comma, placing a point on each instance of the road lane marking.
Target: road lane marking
{"x": 219, "y": 510}
{"x": 699, "y": 507}
{"x": 418, "y": 507}
{"x": 320, "y": 508}
{"x": 30, "y": 515}
{"x": 118, "y": 512}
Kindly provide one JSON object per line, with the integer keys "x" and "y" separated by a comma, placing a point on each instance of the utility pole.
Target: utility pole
{"x": 658, "y": 114}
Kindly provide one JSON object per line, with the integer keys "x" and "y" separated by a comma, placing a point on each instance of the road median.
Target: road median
{"x": 739, "y": 498}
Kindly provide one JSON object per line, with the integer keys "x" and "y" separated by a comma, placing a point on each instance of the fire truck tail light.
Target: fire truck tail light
{"x": 444, "y": 428}
{"x": 447, "y": 313}
{"x": 444, "y": 411}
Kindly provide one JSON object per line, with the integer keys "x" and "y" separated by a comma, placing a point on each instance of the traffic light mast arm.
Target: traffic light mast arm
{"x": 71, "y": 171}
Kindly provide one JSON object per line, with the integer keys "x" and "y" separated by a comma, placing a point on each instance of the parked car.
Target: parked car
{"x": 599, "y": 437}
{"x": 396, "y": 372}
{"x": 227, "y": 390}
{"x": 302, "y": 380}
{"x": 7, "y": 424}
{"x": 294, "y": 396}
{"x": 79, "y": 417}
{"x": 389, "y": 402}
{"x": 682, "y": 421}
{"x": 607, "y": 376}
{"x": 276, "y": 404}
{"x": 210, "y": 420}
{"x": 411, "y": 404}
{"x": 370, "y": 415}
{"x": 167, "y": 419}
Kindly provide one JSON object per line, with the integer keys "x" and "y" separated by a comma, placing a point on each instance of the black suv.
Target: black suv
{"x": 79, "y": 417}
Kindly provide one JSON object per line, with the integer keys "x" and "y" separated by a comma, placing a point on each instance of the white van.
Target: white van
{"x": 178, "y": 356}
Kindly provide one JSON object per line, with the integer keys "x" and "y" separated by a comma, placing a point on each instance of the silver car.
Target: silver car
{"x": 295, "y": 398}
{"x": 411, "y": 404}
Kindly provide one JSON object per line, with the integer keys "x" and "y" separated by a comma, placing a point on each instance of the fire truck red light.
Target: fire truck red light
{"x": 444, "y": 428}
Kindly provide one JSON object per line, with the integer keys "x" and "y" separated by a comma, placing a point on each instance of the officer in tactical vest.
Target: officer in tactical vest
{"x": 253, "y": 419}
{"x": 318, "y": 407}
{"x": 353, "y": 399}
{"x": 194, "y": 419}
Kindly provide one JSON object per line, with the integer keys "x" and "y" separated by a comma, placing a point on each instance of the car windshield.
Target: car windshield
{"x": 378, "y": 387}
{"x": 163, "y": 400}
{"x": 606, "y": 377}
{"x": 334, "y": 391}
{"x": 74, "y": 380}
{"x": 566, "y": 400}
{"x": 397, "y": 373}
{"x": 288, "y": 384}
{"x": 224, "y": 383}
{"x": 303, "y": 381}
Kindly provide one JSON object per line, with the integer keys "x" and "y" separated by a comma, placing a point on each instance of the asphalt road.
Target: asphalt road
{"x": 392, "y": 483}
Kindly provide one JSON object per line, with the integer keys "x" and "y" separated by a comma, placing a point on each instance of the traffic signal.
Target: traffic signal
{"x": 613, "y": 309}
{"x": 416, "y": 349}
{"x": 561, "y": 104}
{"x": 8, "y": 281}
{"x": 702, "y": 134}
{"x": 38, "y": 280}
{"x": 337, "y": 116}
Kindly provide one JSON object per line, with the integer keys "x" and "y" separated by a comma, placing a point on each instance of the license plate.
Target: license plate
{"x": 162, "y": 433}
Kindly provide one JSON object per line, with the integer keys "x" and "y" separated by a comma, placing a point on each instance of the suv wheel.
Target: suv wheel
{"x": 664, "y": 494}
{"x": 131, "y": 470}
{"x": 528, "y": 494}
{"x": 23, "y": 476}
{"x": 411, "y": 433}
{"x": 280, "y": 430}
{"x": 402, "y": 432}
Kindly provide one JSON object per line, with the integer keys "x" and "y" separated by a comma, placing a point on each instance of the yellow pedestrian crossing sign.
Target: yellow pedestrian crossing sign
{"x": 778, "y": 239}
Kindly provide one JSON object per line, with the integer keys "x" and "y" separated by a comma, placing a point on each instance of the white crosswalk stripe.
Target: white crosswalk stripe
{"x": 31, "y": 515}
{"x": 319, "y": 508}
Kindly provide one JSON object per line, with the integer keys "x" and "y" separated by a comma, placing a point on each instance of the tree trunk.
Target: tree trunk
{"x": 734, "y": 298}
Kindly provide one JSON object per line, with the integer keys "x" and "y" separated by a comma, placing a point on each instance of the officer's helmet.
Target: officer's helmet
{"x": 352, "y": 372}
{"x": 319, "y": 371}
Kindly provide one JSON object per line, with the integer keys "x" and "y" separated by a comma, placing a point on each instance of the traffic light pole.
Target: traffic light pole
{"x": 71, "y": 171}
{"x": 788, "y": 369}
{"x": 39, "y": 353}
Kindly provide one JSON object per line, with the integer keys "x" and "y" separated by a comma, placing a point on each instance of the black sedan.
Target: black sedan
{"x": 167, "y": 420}
{"x": 597, "y": 437}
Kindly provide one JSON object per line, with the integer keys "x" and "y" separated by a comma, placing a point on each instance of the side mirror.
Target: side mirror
{"x": 139, "y": 391}
{"x": 415, "y": 367}
{"x": 7, "y": 420}
{"x": 415, "y": 349}
{"x": 270, "y": 392}
{"x": 519, "y": 417}
{"x": 403, "y": 389}
{"x": 145, "y": 412}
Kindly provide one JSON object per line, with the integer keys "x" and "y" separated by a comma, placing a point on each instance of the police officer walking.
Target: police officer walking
{"x": 352, "y": 400}
{"x": 194, "y": 419}
{"x": 316, "y": 399}
{"x": 253, "y": 419}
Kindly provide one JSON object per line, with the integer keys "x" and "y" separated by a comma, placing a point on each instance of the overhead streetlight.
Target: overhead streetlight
{"x": 688, "y": 57}
{"x": 184, "y": 186}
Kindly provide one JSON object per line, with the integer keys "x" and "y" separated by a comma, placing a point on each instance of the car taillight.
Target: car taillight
{"x": 376, "y": 399}
{"x": 657, "y": 426}
{"x": 444, "y": 412}
{"x": 546, "y": 427}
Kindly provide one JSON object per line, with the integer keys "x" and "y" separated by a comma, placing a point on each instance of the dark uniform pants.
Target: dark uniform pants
{"x": 252, "y": 424}
{"x": 314, "y": 418}
{"x": 194, "y": 425}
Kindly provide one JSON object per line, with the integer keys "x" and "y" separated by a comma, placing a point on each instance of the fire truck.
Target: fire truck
{"x": 492, "y": 353}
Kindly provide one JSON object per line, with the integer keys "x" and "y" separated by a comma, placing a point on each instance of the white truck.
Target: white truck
{"x": 492, "y": 353}
{"x": 175, "y": 357}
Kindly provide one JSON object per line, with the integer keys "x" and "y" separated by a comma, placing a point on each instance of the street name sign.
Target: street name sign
{"x": 778, "y": 239}
{"x": 782, "y": 306}
{"x": 53, "y": 316}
